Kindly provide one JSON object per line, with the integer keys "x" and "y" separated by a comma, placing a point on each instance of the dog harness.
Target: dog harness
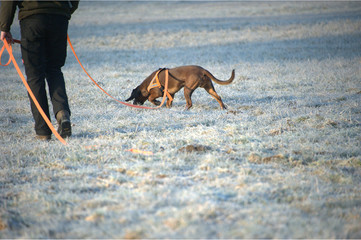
{"x": 156, "y": 83}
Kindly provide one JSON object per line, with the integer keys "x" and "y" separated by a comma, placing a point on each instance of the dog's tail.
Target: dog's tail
{"x": 220, "y": 82}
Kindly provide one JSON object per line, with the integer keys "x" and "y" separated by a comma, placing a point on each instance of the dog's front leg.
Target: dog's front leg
{"x": 154, "y": 101}
{"x": 169, "y": 101}
{"x": 188, "y": 94}
{"x": 154, "y": 94}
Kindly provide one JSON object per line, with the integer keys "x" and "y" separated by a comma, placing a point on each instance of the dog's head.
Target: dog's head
{"x": 138, "y": 96}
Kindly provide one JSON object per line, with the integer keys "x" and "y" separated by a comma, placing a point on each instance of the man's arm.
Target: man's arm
{"x": 7, "y": 13}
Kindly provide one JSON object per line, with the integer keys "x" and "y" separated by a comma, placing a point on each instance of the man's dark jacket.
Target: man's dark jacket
{"x": 31, "y": 7}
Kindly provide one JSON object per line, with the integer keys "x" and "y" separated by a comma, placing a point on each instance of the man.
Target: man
{"x": 44, "y": 27}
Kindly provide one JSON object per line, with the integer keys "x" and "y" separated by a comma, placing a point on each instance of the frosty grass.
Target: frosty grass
{"x": 284, "y": 161}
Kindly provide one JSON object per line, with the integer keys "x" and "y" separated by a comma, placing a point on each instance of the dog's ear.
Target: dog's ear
{"x": 133, "y": 95}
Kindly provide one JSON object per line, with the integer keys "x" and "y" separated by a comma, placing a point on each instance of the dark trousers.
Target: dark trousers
{"x": 43, "y": 49}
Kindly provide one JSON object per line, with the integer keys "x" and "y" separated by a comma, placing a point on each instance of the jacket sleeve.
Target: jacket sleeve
{"x": 7, "y": 13}
{"x": 75, "y": 5}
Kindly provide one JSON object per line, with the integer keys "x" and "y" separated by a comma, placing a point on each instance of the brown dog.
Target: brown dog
{"x": 189, "y": 77}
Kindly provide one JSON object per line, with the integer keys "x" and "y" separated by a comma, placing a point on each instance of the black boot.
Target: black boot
{"x": 63, "y": 118}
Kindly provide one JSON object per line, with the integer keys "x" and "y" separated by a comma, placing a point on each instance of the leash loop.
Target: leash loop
{"x": 11, "y": 49}
{"x": 1, "y": 52}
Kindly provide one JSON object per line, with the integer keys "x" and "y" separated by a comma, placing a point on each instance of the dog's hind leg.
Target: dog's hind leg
{"x": 210, "y": 89}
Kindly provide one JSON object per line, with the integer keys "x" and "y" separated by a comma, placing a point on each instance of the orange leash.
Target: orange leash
{"x": 12, "y": 59}
{"x": 124, "y": 103}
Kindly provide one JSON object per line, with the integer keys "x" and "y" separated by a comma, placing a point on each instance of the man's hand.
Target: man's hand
{"x": 7, "y": 36}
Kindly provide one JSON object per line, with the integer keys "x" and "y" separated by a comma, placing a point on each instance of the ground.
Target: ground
{"x": 283, "y": 161}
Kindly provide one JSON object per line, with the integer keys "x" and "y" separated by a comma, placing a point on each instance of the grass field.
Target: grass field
{"x": 283, "y": 161}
